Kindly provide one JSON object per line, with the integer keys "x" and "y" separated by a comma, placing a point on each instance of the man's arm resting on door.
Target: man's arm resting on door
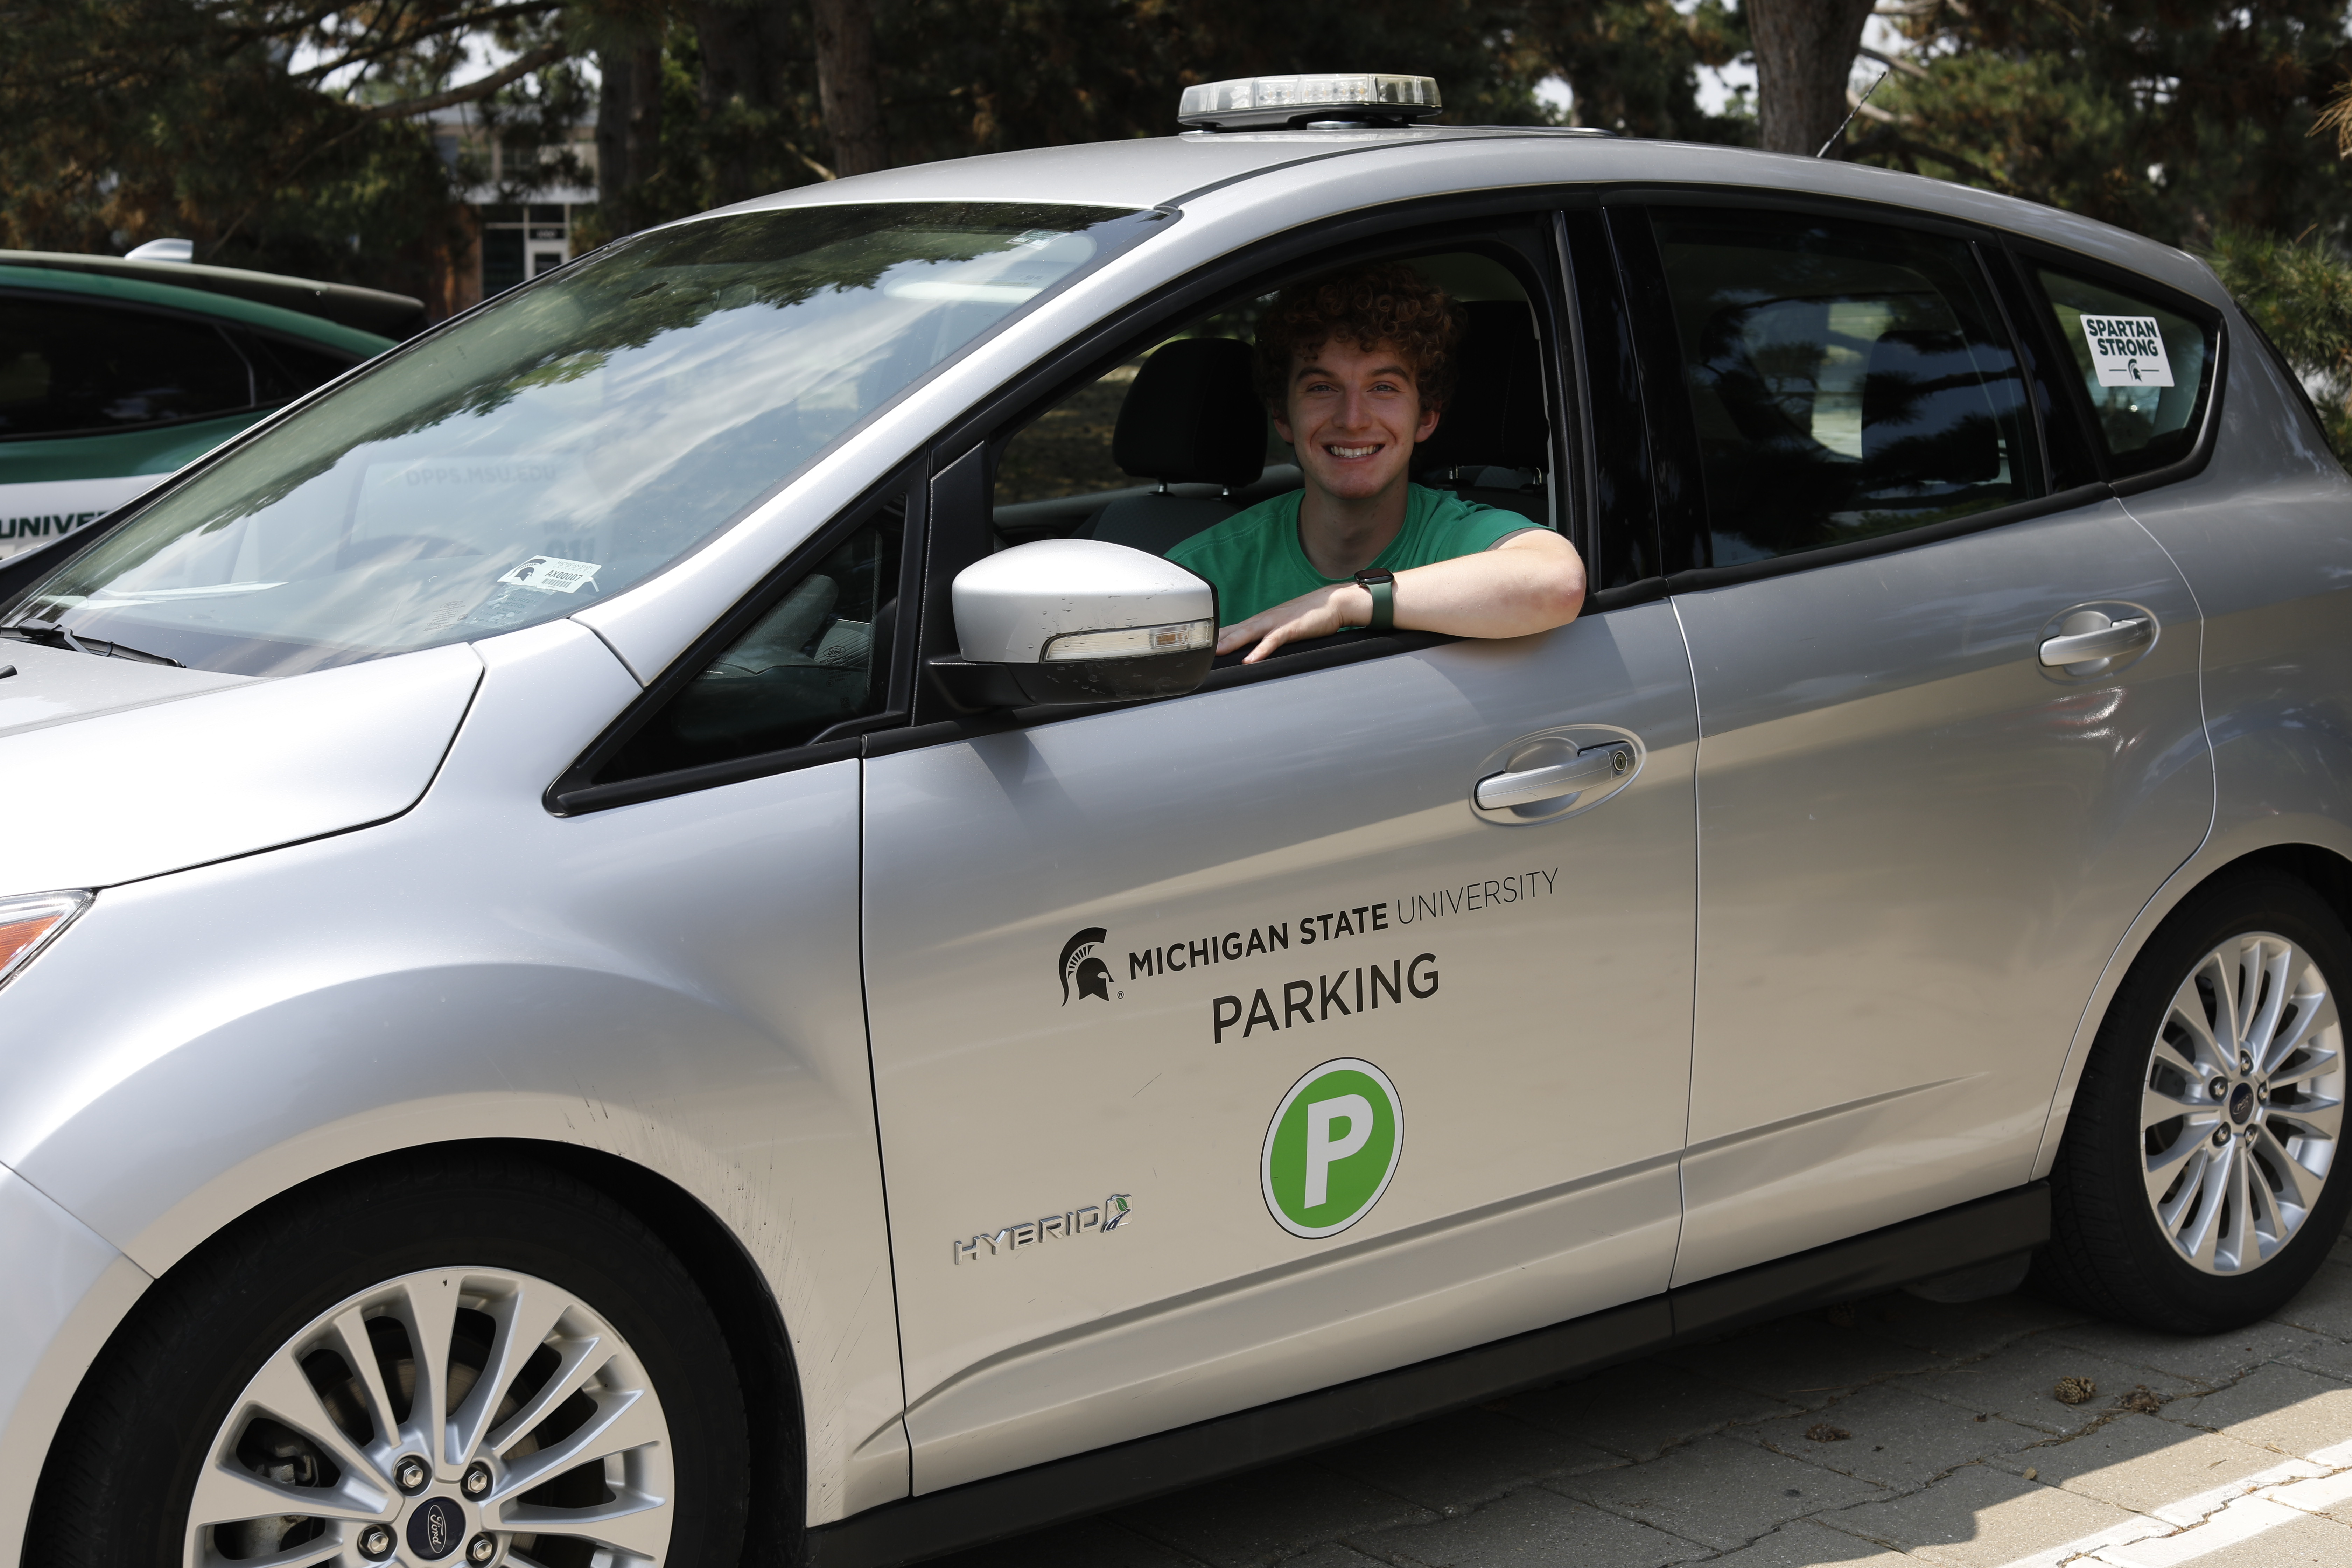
{"x": 1530, "y": 582}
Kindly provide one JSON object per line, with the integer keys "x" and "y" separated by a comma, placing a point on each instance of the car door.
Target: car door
{"x": 1224, "y": 1048}
{"x": 1923, "y": 826}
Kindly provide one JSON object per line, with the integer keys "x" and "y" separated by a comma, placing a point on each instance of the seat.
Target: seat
{"x": 1191, "y": 418}
{"x": 1497, "y": 420}
{"x": 1927, "y": 421}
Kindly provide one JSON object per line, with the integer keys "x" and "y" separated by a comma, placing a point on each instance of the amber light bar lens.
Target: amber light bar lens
{"x": 28, "y": 924}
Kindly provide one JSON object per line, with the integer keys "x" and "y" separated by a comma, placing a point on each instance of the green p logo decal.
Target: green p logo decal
{"x": 1334, "y": 1143}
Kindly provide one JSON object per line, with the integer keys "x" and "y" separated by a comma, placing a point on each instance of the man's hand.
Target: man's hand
{"x": 1303, "y": 619}
{"x": 1529, "y": 582}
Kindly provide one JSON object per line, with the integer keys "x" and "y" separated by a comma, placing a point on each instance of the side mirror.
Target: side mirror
{"x": 1076, "y": 620}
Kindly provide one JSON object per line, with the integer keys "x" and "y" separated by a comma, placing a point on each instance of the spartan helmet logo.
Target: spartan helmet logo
{"x": 1079, "y": 962}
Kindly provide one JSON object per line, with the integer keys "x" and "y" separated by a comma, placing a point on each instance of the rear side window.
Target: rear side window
{"x": 68, "y": 368}
{"x": 283, "y": 370}
{"x": 1847, "y": 380}
{"x": 2147, "y": 370}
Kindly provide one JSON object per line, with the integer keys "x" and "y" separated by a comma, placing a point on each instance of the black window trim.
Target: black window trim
{"x": 2029, "y": 254}
{"x": 2020, "y": 249}
{"x": 1594, "y": 287}
{"x": 576, "y": 792}
{"x": 1677, "y": 473}
{"x": 2057, "y": 419}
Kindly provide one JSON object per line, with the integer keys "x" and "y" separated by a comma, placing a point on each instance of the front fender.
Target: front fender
{"x": 677, "y": 984}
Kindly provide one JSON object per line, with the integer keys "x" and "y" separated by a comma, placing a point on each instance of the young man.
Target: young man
{"x": 1355, "y": 367}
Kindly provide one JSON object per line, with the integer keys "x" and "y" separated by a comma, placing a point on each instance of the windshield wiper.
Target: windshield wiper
{"x": 58, "y": 637}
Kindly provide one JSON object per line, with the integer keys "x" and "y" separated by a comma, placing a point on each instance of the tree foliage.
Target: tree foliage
{"x": 283, "y": 134}
{"x": 2172, "y": 119}
{"x": 275, "y": 133}
{"x": 2300, "y": 291}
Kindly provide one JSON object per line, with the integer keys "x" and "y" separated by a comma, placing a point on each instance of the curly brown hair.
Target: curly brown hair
{"x": 1390, "y": 302}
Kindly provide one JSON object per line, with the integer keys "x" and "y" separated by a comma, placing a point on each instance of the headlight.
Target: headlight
{"x": 27, "y": 924}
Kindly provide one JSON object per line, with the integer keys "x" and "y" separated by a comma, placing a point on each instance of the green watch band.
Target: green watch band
{"x": 1382, "y": 586}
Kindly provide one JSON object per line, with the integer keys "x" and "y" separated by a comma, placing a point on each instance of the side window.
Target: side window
{"x": 2145, "y": 370}
{"x": 1847, "y": 380}
{"x": 284, "y": 369}
{"x": 817, "y": 655}
{"x": 1174, "y": 439}
{"x": 69, "y": 368}
{"x": 1173, "y": 434}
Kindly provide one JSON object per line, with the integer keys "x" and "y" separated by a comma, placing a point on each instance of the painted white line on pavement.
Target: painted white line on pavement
{"x": 2223, "y": 1516}
{"x": 2316, "y": 1496}
{"x": 2114, "y": 1535}
{"x": 2191, "y": 1510}
{"x": 2241, "y": 1521}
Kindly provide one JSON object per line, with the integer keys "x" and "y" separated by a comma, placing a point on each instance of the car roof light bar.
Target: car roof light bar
{"x": 1277, "y": 102}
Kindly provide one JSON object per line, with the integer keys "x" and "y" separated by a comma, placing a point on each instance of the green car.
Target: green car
{"x": 114, "y": 372}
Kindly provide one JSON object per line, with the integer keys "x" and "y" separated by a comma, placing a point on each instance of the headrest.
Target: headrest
{"x": 1497, "y": 417}
{"x": 1192, "y": 416}
{"x": 1925, "y": 417}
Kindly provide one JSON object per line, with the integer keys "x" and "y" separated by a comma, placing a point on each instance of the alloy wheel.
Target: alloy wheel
{"x": 469, "y": 1416}
{"x": 2242, "y": 1103}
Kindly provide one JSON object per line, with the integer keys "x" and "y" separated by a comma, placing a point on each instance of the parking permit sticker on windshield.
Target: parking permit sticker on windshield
{"x": 557, "y": 575}
{"x": 2128, "y": 351}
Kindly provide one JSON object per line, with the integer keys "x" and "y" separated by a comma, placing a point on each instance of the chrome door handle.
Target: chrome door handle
{"x": 1596, "y": 765}
{"x": 2100, "y": 642}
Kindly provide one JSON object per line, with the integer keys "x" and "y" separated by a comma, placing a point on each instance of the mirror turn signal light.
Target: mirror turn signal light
{"x": 28, "y": 924}
{"x": 1132, "y": 642}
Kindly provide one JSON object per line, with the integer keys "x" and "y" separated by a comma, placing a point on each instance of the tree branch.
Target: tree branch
{"x": 1894, "y": 141}
{"x": 1894, "y": 62}
{"x": 408, "y": 40}
{"x": 816, "y": 168}
{"x": 514, "y": 70}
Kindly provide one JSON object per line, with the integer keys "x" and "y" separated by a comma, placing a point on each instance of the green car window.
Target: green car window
{"x": 69, "y": 366}
{"x": 566, "y": 441}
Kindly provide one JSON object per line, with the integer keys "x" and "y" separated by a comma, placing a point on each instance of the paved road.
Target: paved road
{"x": 1889, "y": 1432}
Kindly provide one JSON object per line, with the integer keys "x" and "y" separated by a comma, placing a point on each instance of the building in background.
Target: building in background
{"x": 522, "y": 213}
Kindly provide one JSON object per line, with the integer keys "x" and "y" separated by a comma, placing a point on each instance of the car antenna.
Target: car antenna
{"x": 1883, "y": 73}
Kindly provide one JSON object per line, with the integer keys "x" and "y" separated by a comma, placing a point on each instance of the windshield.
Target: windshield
{"x": 565, "y": 442}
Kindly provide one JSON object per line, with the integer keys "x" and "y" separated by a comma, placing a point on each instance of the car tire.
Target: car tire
{"x": 587, "y": 1393}
{"x": 2195, "y": 1190}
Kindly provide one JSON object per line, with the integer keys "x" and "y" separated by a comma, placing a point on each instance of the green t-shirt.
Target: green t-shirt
{"x": 1256, "y": 562}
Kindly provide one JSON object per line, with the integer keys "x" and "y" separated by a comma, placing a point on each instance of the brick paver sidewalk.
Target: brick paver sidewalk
{"x": 1890, "y": 1431}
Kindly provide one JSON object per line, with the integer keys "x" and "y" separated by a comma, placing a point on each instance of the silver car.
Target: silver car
{"x": 651, "y": 935}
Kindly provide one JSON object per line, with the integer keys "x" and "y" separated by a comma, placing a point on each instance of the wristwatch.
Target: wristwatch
{"x": 1382, "y": 586}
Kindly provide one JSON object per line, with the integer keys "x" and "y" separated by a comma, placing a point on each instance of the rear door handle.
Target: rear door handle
{"x": 1594, "y": 766}
{"x": 2107, "y": 641}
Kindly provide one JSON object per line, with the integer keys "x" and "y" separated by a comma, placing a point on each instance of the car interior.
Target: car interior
{"x": 1839, "y": 394}
{"x": 1175, "y": 441}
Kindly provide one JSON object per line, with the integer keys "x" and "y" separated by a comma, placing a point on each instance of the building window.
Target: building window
{"x": 521, "y": 242}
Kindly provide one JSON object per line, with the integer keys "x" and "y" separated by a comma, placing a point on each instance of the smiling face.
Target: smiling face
{"x": 1354, "y": 416}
